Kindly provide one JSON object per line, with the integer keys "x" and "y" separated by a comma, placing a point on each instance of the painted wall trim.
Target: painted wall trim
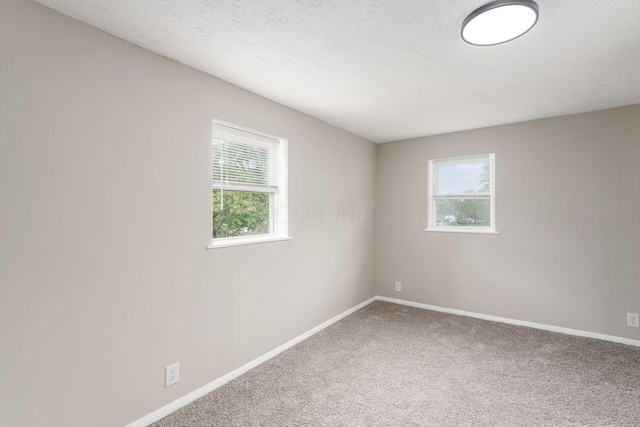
{"x": 542, "y": 326}
{"x": 179, "y": 403}
{"x": 207, "y": 388}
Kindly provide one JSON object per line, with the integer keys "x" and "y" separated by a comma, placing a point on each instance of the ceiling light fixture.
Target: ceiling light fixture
{"x": 499, "y": 21}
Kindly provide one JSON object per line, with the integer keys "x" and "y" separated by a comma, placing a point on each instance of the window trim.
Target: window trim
{"x": 431, "y": 209}
{"x": 245, "y": 240}
{"x": 279, "y": 217}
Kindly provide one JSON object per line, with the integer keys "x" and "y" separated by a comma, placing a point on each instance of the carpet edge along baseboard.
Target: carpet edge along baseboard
{"x": 207, "y": 388}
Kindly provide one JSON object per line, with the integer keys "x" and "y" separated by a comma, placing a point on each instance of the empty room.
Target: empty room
{"x": 315, "y": 213}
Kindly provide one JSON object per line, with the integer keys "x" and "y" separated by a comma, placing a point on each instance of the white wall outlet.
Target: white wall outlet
{"x": 633, "y": 320}
{"x": 172, "y": 374}
{"x": 398, "y": 287}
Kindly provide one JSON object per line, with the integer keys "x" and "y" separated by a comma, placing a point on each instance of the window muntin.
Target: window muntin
{"x": 249, "y": 186}
{"x": 462, "y": 194}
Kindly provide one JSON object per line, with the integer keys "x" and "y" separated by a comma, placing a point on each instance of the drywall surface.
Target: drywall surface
{"x": 105, "y": 164}
{"x": 567, "y": 207}
{"x": 390, "y": 70}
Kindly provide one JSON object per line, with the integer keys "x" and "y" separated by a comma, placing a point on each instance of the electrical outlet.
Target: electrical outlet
{"x": 172, "y": 374}
{"x": 398, "y": 287}
{"x": 633, "y": 320}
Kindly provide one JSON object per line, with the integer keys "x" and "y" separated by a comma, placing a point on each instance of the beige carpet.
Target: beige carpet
{"x": 392, "y": 365}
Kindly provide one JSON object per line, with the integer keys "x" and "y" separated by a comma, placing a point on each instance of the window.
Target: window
{"x": 249, "y": 186}
{"x": 462, "y": 194}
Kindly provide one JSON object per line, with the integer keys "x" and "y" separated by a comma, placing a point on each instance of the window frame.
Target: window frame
{"x": 431, "y": 200}
{"x": 278, "y": 215}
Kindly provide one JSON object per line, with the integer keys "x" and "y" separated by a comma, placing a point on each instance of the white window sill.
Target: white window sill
{"x": 237, "y": 241}
{"x": 461, "y": 230}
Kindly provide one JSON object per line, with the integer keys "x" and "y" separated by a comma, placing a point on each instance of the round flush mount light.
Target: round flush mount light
{"x": 499, "y": 21}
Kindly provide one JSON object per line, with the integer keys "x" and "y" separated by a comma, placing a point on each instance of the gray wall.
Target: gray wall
{"x": 105, "y": 213}
{"x": 567, "y": 208}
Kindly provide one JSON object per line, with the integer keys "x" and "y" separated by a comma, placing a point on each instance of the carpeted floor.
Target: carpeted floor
{"x": 392, "y": 365}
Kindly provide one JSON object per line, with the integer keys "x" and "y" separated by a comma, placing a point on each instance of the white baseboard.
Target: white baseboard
{"x": 241, "y": 370}
{"x": 179, "y": 403}
{"x": 207, "y": 388}
{"x": 551, "y": 328}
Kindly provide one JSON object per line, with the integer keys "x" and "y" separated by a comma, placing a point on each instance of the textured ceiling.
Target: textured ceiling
{"x": 391, "y": 69}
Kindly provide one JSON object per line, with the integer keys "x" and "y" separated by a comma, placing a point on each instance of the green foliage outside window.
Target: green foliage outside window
{"x": 240, "y": 213}
{"x": 466, "y": 212}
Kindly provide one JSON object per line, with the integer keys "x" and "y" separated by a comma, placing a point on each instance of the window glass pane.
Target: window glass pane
{"x": 239, "y": 213}
{"x": 239, "y": 163}
{"x": 463, "y": 177}
{"x": 463, "y": 212}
